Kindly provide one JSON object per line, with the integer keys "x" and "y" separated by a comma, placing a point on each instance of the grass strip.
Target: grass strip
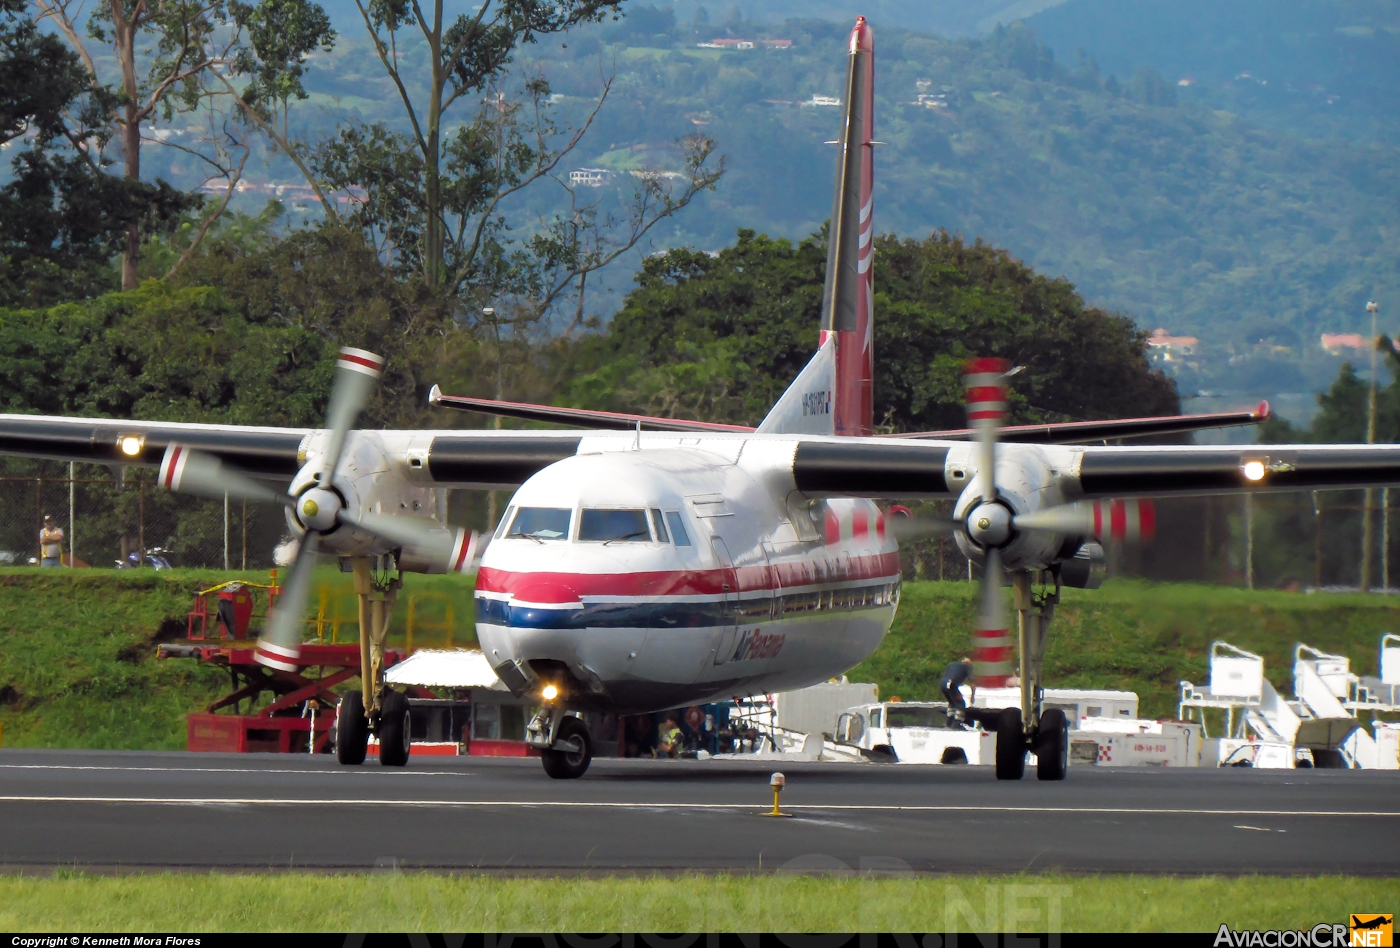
{"x": 69, "y": 901}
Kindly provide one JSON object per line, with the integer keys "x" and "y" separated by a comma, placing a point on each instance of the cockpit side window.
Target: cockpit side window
{"x": 541, "y": 523}
{"x": 505, "y": 522}
{"x": 658, "y": 524}
{"x": 614, "y": 525}
{"x": 677, "y": 525}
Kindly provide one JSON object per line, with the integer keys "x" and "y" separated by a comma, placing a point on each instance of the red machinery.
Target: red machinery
{"x": 302, "y": 710}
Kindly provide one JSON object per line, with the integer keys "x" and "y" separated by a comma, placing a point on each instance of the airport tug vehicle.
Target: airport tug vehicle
{"x": 652, "y": 563}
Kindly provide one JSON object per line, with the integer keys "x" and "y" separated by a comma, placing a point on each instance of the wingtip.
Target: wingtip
{"x": 434, "y": 396}
{"x": 1263, "y": 412}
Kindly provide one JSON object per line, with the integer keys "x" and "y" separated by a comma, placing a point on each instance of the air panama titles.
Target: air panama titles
{"x": 754, "y": 644}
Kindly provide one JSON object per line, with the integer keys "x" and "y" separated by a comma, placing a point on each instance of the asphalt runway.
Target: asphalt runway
{"x": 130, "y": 810}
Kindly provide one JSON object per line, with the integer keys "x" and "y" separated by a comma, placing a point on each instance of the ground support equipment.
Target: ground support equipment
{"x": 301, "y": 713}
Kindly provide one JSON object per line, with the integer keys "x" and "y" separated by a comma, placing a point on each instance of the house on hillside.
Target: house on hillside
{"x": 1335, "y": 342}
{"x": 590, "y": 177}
{"x": 1162, "y": 347}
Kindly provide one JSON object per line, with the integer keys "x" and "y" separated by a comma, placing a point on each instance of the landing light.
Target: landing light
{"x": 130, "y": 445}
{"x": 1253, "y": 470}
{"x": 550, "y": 693}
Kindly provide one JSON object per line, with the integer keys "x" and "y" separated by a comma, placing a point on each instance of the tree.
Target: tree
{"x": 721, "y": 337}
{"x": 168, "y": 56}
{"x": 437, "y": 201}
{"x": 61, "y": 215}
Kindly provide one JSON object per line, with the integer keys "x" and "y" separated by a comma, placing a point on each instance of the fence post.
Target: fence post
{"x": 245, "y": 534}
{"x": 226, "y": 533}
{"x": 72, "y": 548}
{"x": 140, "y": 520}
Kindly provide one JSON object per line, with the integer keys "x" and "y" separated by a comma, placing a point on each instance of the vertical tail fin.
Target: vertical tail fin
{"x": 848, "y": 298}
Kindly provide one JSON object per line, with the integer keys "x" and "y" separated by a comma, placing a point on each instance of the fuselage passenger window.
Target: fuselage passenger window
{"x": 677, "y": 525}
{"x": 614, "y": 525}
{"x": 541, "y": 523}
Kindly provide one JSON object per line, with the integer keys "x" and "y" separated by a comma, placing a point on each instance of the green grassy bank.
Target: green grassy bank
{"x": 78, "y": 666}
{"x": 412, "y": 902}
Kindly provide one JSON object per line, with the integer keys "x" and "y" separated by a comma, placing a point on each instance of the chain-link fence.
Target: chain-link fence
{"x": 118, "y": 517}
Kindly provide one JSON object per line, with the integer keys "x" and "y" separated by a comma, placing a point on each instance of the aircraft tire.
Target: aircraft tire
{"x": 351, "y": 729}
{"x": 569, "y": 765}
{"x": 1011, "y": 746}
{"x": 395, "y": 731}
{"x": 1052, "y": 746}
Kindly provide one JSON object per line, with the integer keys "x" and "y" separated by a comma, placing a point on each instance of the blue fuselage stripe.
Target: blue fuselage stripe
{"x": 683, "y": 614}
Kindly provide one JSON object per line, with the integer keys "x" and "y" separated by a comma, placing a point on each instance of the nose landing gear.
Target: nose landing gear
{"x": 375, "y": 708}
{"x": 565, "y": 746}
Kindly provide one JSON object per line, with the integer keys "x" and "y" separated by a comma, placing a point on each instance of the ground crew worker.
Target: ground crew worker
{"x": 953, "y": 677}
{"x": 50, "y": 544}
{"x": 668, "y": 741}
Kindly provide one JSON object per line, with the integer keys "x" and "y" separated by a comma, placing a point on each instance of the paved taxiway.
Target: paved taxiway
{"x": 133, "y": 810}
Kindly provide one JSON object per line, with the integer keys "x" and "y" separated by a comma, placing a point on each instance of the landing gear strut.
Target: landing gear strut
{"x": 375, "y": 708}
{"x": 1029, "y": 728}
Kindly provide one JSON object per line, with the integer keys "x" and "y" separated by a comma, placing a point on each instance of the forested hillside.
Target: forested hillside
{"x": 1177, "y": 214}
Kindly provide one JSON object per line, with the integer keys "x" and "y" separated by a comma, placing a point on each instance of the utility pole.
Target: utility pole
{"x": 1249, "y": 540}
{"x": 1366, "y": 539}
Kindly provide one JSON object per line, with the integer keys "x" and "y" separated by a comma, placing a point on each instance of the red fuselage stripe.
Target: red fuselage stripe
{"x": 692, "y": 582}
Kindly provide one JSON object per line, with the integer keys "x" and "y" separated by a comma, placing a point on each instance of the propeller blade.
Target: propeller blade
{"x": 280, "y": 645}
{"x": 1121, "y": 521}
{"x": 452, "y": 549}
{"x": 992, "y": 646}
{"x": 356, "y": 372}
{"x": 188, "y": 471}
{"x": 984, "y": 384}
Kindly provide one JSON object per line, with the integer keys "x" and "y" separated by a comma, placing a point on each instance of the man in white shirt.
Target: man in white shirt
{"x": 50, "y": 544}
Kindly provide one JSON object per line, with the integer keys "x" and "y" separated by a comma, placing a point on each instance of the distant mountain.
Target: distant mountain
{"x": 1321, "y": 68}
{"x": 1151, "y": 201}
{"x": 954, "y": 18}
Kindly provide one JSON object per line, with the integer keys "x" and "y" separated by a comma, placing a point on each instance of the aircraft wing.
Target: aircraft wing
{"x": 827, "y": 466}
{"x": 868, "y": 467}
{"x": 263, "y": 452}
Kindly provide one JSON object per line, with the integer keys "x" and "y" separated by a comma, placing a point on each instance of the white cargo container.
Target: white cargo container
{"x": 1109, "y": 743}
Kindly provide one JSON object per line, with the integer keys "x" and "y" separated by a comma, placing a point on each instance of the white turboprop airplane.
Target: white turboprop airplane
{"x": 648, "y": 563}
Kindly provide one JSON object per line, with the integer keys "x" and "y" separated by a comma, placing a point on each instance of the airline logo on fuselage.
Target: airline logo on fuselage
{"x": 816, "y": 403}
{"x": 755, "y": 644}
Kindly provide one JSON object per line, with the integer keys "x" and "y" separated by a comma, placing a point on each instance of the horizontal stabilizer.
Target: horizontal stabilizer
{"x": 575, "y": 417}
{"x": 1085, "y": 432}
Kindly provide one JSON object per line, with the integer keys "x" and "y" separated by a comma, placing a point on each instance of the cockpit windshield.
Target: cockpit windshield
{"x": 541, "y": 523}
{"x": 614, "y": 525}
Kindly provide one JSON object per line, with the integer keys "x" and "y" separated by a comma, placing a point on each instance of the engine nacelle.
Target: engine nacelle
{"x": 367, "y": 482}
{"x": 1086, "y": 569}
{"x": 1024, "y": 482}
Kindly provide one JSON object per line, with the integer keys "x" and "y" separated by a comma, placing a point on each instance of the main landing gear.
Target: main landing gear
{"x": 375, "y": 708}
{"x": 565, "y": 747}
{"x": 1029, "y": 728}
